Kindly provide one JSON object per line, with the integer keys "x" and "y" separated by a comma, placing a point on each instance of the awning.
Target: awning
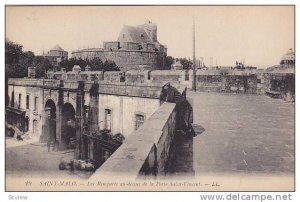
{"x": 15, "y": 110}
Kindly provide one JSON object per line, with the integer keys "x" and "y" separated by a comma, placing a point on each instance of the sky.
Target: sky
{"x": 259, "y": 35}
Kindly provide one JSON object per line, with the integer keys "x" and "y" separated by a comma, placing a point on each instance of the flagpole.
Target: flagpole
{"x": 194, "y": 57}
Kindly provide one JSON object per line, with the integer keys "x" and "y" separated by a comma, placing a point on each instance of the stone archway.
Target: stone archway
{"x": 49, "y": 121}
{"x": 68, "y": 131}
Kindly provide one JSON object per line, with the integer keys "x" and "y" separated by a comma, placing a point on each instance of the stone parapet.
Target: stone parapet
{"x": 146, "y": 150}
{"x": 152, "y": 91}
{"x": 104, "y": 87}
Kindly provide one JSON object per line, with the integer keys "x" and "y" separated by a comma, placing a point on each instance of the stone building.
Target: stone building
{"x": 24, "y": 110}
{"x": 56, "y": 55}
{"x": 91, "y": 112}
{"x": 227, "y": 81}
{"x": 279, "y": 80}
{"x": 136, "y": 48}
{"x": 288, "y": 60}
{"x": 177, "y": 65}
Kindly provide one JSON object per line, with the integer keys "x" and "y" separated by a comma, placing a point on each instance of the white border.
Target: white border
{"x": 128, "y": 196}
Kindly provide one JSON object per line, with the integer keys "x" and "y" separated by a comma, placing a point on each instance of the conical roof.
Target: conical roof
{"x": 177, "y": 64}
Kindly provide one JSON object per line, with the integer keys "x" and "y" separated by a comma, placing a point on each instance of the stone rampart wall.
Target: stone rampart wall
{"x": 146, "y": 150}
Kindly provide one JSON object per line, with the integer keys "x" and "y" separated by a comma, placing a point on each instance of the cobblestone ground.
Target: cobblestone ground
{"x": 243, "y": 134}
{"x": 32, "y": 159}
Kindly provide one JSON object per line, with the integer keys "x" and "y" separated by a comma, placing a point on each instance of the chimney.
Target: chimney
{"x": 87, "y": 68}
{"x": 31, "y": 72}
{"x": 151, "y": 29}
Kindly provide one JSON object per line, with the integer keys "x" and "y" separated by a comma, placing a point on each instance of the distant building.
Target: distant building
{"x": 280, "y": 79}
{"x": 288, "y": 60}
{"x": 221, "y": 67}
{"x": 94, "y": 118}
{"x": 136, "y": 47}
{"x": 241, "y": 65}
{"x": 56, "y": 55}
{"x": 177, "y": 65}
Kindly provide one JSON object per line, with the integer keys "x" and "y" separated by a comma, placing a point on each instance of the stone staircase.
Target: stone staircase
{"x": 17, "y": 131}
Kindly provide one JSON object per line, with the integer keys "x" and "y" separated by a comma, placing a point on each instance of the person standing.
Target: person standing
{"x": 49, "y": 144}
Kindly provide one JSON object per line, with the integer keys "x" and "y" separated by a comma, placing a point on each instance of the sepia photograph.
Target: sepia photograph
{"x": 149, "y": 98}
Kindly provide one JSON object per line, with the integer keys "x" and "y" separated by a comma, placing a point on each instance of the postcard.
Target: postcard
{"x": 149, "y": 98}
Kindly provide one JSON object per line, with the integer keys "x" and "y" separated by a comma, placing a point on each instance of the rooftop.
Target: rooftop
{"x": 290, "y": 55}
{"x": 137, "y": 34}
{"x": 57, "y": 48}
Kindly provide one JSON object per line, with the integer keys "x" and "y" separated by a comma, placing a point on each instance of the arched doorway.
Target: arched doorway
{"x": 68, "y": 133}
{"x": 50, "y": 121}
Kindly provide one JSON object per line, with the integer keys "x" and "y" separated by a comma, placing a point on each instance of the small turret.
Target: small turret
{"x": 76, "y": 69}
{"x": 177, "y": 65}
{"x": 87, "y": 68}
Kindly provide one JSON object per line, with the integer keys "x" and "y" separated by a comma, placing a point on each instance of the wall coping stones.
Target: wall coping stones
{"x": 131, "y": 155}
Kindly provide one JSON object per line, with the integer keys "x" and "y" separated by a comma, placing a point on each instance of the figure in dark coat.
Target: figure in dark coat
{"x": 49, "y": 144}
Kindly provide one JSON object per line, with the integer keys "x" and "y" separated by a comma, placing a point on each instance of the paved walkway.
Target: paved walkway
{"x": 27, "y": 159}
{"x": 243, "y": 134}
{"x": 13, "y": 142}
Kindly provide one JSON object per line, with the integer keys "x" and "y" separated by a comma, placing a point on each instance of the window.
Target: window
{"x": 123, "y": 36}
{"x": 35, "y": 103}
{"x": 34, "y": 127}
{"x": 122, "y": 77}
{"x": 27, "y": 101}
{"x": 186, "y": 75}
{"x": 139, "y": 120}
{"x": 12, "y": 99}
{"x": 108, "y": 119}
{"x": 20, "y": 100}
